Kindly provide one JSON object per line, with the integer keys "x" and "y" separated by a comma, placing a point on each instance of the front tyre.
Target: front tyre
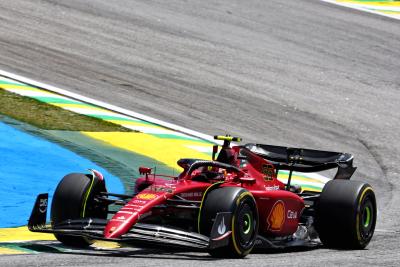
{"x": 244, "y": 224}
{"x": 74, "y": 199}
{"x": 346, "y": 214}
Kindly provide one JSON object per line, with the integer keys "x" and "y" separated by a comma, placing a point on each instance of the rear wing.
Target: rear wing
{"x": 305, "y": 160}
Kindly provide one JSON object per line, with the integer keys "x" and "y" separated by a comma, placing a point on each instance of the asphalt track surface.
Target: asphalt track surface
{"x": 300, "y": 73}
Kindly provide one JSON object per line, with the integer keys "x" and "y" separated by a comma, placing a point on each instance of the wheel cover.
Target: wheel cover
{"x": 366, "y": 216}
{"x": 367, "y": 219}
{"x": 246, "y": 225}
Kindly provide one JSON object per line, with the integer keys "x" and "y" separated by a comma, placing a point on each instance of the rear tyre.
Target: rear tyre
{"x": 346, "y": 214}
{"x": 74, "y": 199}
{"x": 244, "y": 223}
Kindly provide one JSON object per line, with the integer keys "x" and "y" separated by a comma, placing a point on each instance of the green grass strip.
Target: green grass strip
{"x": 49, "y": 117}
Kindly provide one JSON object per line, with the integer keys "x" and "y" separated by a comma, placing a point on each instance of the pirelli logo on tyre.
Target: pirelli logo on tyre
{"x": 276, "y": 217}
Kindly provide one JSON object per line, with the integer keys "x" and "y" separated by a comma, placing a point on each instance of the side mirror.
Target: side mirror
{"x": 144, "y": 170}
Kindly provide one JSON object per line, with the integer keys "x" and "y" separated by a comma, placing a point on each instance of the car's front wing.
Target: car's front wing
{"x": 140, "y": 234}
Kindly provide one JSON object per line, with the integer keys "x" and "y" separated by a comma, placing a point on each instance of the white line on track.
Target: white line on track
{"x": 107, "y": 106}
{"x": 360, "y": 8}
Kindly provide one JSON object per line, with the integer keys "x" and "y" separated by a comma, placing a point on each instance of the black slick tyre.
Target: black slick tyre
{"x": 346, "y": 214}
{"x": 244, "y": 223}
{"x": 73, "y": 199}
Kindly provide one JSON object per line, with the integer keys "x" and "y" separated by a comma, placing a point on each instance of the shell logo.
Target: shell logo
{"x": 146, "y": 196}
{"x": 276, "y": 217}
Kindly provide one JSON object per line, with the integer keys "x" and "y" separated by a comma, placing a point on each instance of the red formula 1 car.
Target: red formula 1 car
{"x": 226, "y": 206}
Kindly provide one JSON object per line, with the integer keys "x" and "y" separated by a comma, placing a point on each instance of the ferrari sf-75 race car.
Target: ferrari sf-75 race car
{"x": 226, "y": 206}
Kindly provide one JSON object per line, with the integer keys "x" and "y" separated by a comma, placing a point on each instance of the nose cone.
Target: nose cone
{"x": 120, "y": 224}
{"x": 113, "y": 232}
{"x": 128, "y": 215}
